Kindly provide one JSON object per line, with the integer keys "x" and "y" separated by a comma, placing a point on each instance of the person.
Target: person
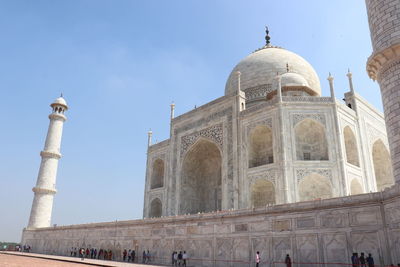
{"x": 110, "y": 254}
{"x": 362, "y": 260}
{"x": 148, "y": 256}
{"x": 100, "y": 253}
{"x": 95, "y": 253}
{"x": 105, "y": 254}
{"x": 180, "y": 258}
{"x": 184, "y": 257}
{"x": 82, "y": 252}
{"x": 124, "y": 255}
{"x": 355, "y": 260}
{"x": 133, "y": 254}
{"x": 288, "y": 261}
{"x": 144, "y": 256}
{"x": 87, "y": 252}
{"x": 129, "y": 255}
{"x": 175, "y": 258}
{"x": 74, "y": 251}
{"x": 370, "y": 260}
{"x": 258, "y": 258}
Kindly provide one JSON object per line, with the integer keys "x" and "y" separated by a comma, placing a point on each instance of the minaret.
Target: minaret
{"x": 384, "y": 66}
{"x": 45, "y": 188}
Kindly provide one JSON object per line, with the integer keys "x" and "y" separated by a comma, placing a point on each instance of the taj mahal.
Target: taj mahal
{"x": 270, "y": 166}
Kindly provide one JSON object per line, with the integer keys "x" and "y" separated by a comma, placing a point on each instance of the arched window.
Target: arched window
{"x": 314, "y": 186}
{"x": 157, "y": 174}
{"x": 155, "y": 208}
{"x": 260, "y": 150}
{"x": 200, "y": 188}
{"x": 262, "y": 193}
{"x": 382, "y": 165}
{"x": 355, "y": 187}
{"x": 351, "y": 146}
{"x": 311, "y": 141}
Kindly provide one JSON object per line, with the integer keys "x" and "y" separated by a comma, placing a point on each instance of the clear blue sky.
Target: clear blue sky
{"x": 119, "y": 65}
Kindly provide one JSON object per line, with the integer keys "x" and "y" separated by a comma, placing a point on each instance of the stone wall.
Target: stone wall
{"x": 314, "y": 231}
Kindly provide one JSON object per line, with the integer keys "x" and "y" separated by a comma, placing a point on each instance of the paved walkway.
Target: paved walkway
{"x": 22, "y": 259}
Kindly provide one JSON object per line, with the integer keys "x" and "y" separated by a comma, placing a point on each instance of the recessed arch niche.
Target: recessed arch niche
{"x": 260, "y": 146}
{"x": 314, "y": 186}
{"x": 356, "y": 187}
{"x": 350, "y": 144}
{"x": 155, "y": 208}
{"x": 157, "y": 174}
{"x": 311, "y": 143}
{"x": 262, "y": 193}
{"x": 200, "y": 187}
{"x": 382, "y": 165}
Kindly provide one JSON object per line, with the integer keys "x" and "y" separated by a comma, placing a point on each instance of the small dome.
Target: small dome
{"x": 60, "y": 101}
{"x": 291, "y": 79}
{"x": 259, "y": 69}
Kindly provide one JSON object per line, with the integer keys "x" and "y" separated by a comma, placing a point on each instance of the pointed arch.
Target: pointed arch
{"x": 311, "y": 143}
{"x": 157, "y": 174}
{"x": 155, "y": 208}
{"x": 260, "y": 146}
{"x": 382, "y": 165}
{"x": 201, "y": 178}
{"x": 356, "y": 187}
{"x": 262, "y": 193}
{"x": 350, "y": 144}
{"x": 314, "y": 186}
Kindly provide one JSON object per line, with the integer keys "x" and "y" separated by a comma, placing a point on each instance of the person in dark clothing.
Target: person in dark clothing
{"x": 362, "y": 260}
{"x": 180, "y": 257}
{"x": 124, "y": 255}
{"x": 133, "y": 254}
{"x": 355, "y": 261}
{"x": 288, "y": 261}
{"x": 172, "y": 258}
{"x": 144, "y": 257}
{"x": 370, "y": 260}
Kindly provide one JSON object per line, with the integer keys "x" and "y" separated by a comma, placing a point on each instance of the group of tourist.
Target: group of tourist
{"x": 362, "y": 261}
{"x": 146, "y": 256}
{"x": 92, "y": 253}
{"x": 128, "y": 255}
{"x": 179, "y": 259}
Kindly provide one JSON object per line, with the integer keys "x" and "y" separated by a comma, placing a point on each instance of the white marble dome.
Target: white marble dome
{"x": 290, "y": 79}
{"x": 60, "y": 101}
{"x": 259, "y": 69}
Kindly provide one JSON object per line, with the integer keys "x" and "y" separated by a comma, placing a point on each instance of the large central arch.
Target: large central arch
{"x": 200, "y": 188}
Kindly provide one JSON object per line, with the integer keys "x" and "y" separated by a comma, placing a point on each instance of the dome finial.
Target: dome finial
{"x": 267, "y": 38}
{"x": 61, "y": 95}
{"x": 287, "y": 67}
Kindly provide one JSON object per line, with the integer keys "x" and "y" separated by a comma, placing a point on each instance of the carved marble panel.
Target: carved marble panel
{"x": 307, "y": 249}
{"x": 305, "y": 222}
{"x": 281, "y": 225}
{"x": 319, "y": 117}
{"x": 281, "y": 246}
{"x": 214, "y": 133}
{"x": 301, "y": 173}
{"x": 335, "y": 245}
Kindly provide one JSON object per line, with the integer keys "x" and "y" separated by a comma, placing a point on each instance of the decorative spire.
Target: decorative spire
{"x": 61, "y": 95}
{"x": 350, "y": 76}
{"x": 238, "y": 73}
{"x": 149, "y": 135}
{"x": 330, "y": 79}
{"x": 267, "y": 38}
{"x": 287, "y": 67}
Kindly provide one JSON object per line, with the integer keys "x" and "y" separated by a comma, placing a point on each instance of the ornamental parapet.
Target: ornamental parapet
{"x": 311, "y": 99}
{"x": 381, "y": 60}
{"x": 40, "y": 190}
{"x": 57, "y": 116}
{"x": 48, "y": 154}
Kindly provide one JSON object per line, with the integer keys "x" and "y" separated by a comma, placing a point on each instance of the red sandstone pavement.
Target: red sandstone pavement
{"x": 19, "y": 259}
